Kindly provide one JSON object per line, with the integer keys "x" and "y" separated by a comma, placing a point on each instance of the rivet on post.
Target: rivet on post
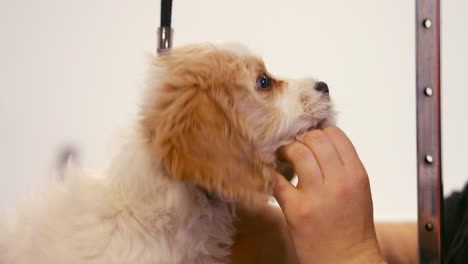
{"x": 428, "y": 91}
{"x": 428, "y": 159}
{"x": 427, "y": 23}
{"x": 429, "y": 227}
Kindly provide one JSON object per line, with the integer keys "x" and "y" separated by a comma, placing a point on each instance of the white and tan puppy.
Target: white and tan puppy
{"x": 210, "y": 125}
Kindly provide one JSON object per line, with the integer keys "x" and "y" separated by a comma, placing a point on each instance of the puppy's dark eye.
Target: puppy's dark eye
{"x": 263, "y": 82}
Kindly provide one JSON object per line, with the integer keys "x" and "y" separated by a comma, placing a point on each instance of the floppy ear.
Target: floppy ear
{"x": 193, "y": 138}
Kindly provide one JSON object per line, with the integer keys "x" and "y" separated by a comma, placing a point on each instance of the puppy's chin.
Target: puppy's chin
{"x": 285, "y": 167}
{"x": 322, "y": 124}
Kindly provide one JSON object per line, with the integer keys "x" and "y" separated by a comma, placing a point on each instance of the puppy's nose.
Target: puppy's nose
{"x": 322, "y": 87}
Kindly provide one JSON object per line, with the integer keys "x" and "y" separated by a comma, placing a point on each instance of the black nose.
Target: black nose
{"x": 322, "y": 87}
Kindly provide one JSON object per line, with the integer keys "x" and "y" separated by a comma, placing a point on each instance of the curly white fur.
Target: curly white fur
{"x": 133, "y": 215}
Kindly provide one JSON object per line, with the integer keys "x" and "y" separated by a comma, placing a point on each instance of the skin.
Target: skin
{"x": 332, "y": 201}
{"x": 327, "y": 218}
{"x": 263, "y": 238}
{"x": 398, "y": 242}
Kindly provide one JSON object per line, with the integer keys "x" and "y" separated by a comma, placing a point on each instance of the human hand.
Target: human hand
{"x": 329, "y": 213}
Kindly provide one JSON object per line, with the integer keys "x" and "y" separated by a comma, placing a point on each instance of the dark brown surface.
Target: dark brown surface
{"x": 428, "y": 131}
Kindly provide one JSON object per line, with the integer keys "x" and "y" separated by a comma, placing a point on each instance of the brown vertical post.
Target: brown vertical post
{"x": 430, "y": 194}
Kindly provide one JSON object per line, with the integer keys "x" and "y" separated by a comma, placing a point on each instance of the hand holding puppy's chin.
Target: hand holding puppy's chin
{"x": 330, "y": 213}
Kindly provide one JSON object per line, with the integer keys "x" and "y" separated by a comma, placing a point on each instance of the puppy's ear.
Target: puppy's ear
{"x": 193, "y": 138}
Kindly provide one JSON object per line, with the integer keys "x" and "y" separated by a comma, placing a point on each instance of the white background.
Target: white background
{"x": 71, "y": 73}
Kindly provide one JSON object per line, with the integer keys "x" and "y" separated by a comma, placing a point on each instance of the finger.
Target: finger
{"x": 304, "y": 163}
{"x": 325, "y": 153}
{"x": 283, "y": 190}
{"x": 344, "y": 147}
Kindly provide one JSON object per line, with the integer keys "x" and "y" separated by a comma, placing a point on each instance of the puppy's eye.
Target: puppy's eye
{"x": 263, "y": 82}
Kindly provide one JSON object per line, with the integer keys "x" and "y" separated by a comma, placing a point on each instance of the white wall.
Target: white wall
{"x": 71, "y": 72}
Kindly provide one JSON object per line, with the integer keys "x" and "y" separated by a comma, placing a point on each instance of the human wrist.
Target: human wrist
{"x": 367, "y": 252}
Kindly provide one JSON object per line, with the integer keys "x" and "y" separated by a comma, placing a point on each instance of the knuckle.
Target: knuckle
{"x": 360, "y": 173}
{"x": 359, "y": 181}
{"x": 297, "y": 152}
{"x": 333, "y": 130}
{"x": 363, "y": 180}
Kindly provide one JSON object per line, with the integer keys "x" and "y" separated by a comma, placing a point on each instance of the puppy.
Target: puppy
{"x": 210, "y": 125}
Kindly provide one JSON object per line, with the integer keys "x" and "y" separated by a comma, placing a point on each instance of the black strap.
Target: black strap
{"x": 166, "y": 13}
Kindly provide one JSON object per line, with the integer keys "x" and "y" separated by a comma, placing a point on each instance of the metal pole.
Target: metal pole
{"x": 164, "y": 38}
{"x": 430, "y": 194}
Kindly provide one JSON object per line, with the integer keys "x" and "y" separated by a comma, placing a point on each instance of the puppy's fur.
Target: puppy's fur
{"x": 206, "y": 141}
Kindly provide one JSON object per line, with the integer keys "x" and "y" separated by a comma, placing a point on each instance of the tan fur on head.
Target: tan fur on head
{"x": 206, "y": 122}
